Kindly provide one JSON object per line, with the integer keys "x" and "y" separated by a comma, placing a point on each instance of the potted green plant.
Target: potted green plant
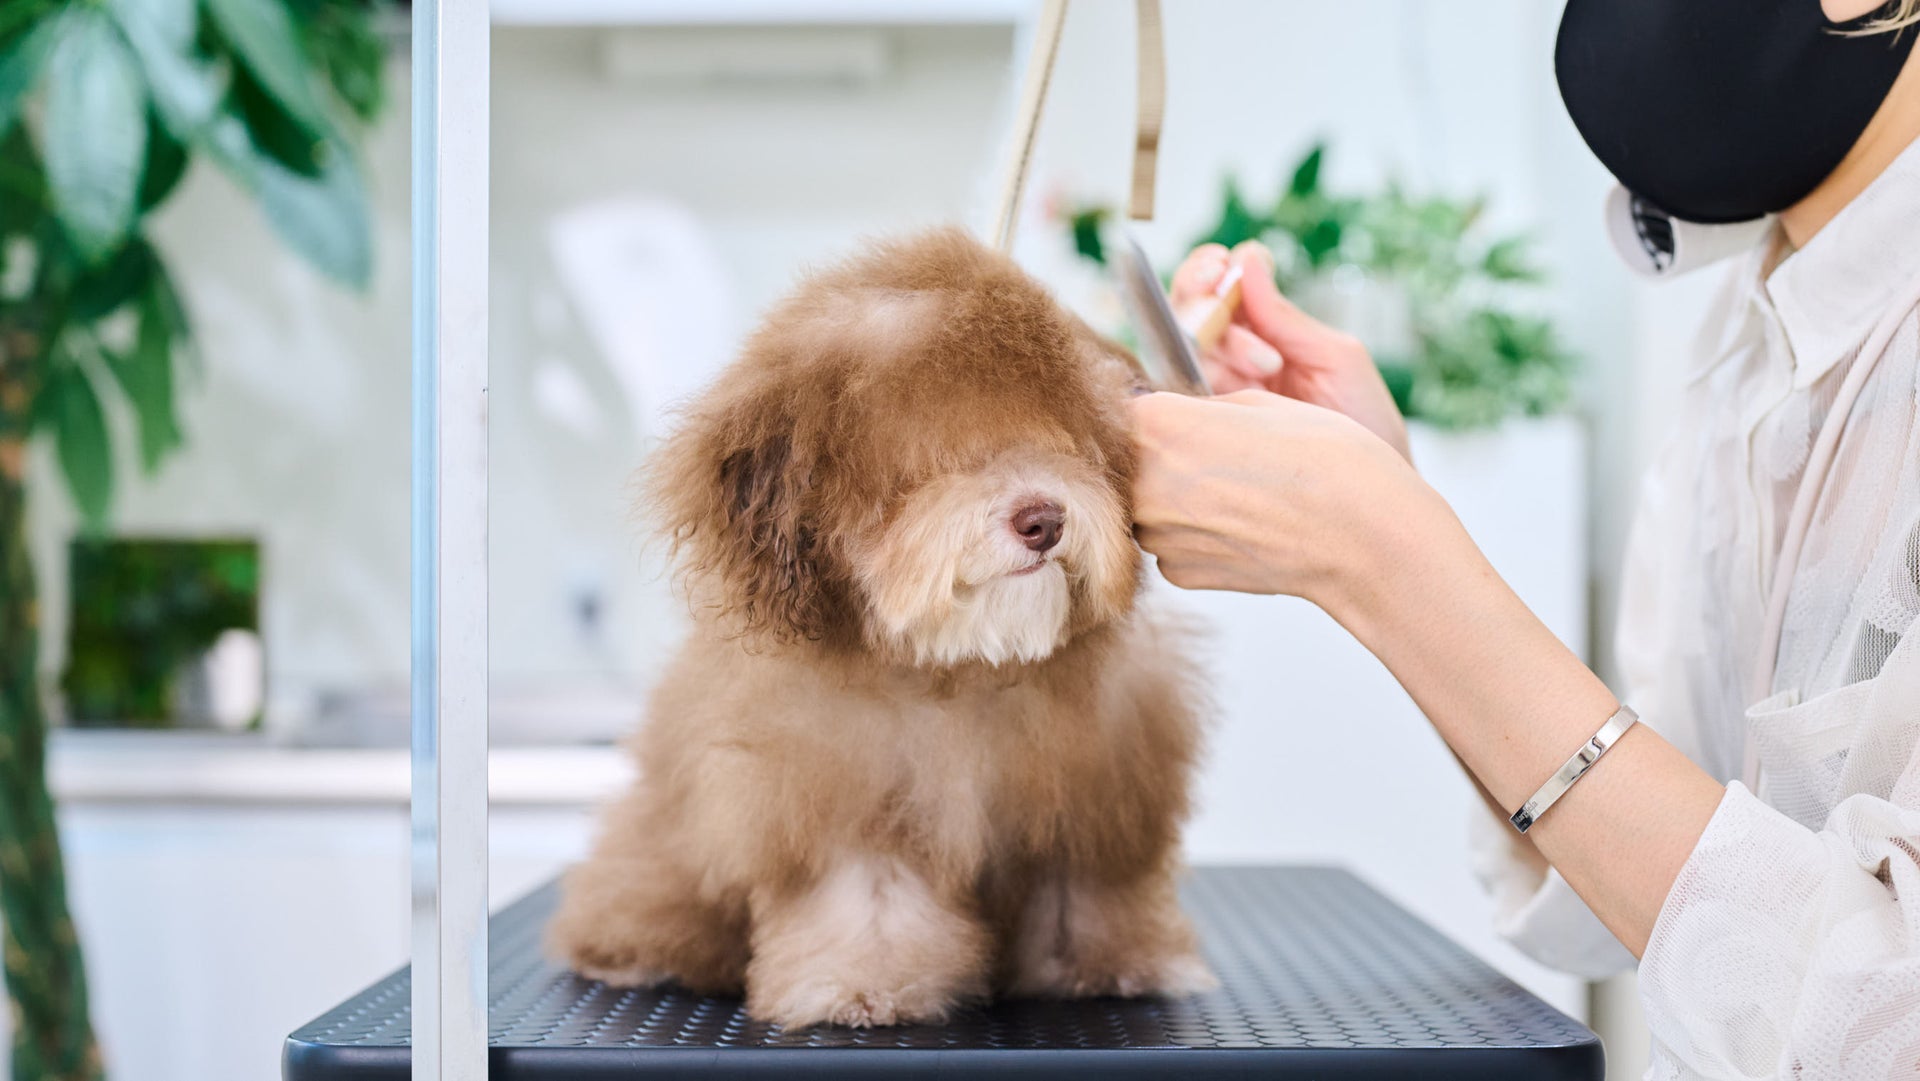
{"x": 1449, "y": 312}
{"x": 104, "y": 107}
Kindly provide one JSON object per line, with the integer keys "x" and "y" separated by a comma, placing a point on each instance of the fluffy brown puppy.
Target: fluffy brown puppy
{"x": 921, "y": 744}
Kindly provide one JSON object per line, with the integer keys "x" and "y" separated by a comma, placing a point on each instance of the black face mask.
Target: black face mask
{"x": 1721, "y": 110}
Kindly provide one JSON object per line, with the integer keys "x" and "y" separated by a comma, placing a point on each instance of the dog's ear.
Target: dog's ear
{"x": 778, "y": 574}
{"x": 731, "y": 494}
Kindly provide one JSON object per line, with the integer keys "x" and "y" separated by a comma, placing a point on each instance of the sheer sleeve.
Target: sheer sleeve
{"x": 1793, "y": 950}
{"x": 1539, "y": 913}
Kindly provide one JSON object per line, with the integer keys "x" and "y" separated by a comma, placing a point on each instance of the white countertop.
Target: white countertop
{"x": 759, "y": 12}
{"x": 178, "y": 767}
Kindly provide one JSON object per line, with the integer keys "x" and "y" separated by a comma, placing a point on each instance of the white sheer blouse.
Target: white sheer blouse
{"x": 1790, "y": 944}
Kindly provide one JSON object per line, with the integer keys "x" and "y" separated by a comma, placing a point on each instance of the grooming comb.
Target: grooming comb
{"x": 1169, "y": 351}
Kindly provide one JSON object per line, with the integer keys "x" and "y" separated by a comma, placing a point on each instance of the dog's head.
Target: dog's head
{"x": 919, "y": 454}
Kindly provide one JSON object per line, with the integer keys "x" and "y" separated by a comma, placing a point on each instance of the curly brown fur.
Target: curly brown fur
{"x": 917, "y": 747}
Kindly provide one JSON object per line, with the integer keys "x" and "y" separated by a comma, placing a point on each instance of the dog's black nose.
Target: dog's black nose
{"x": 1039, "y": 524}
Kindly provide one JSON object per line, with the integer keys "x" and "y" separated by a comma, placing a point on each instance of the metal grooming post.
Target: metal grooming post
{"x": 449, "y": 843}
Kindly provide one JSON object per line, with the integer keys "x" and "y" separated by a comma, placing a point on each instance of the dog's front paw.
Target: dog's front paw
{"x": 621, "y": 975}
{"x": 598, "y": 951}
{"x": 833, "y": 1003}
{"x": 870, "y": 943}
{"x": 630, "y": 923}
{"x": 614, "y": 963}
{"x": 1170, "y": 976}
{"x": 1181, "y": 974}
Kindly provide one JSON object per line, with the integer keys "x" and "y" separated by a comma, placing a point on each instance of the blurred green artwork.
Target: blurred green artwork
{"x": 144, "y": 612}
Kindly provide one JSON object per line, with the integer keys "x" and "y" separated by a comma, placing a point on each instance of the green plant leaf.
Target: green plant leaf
{"x": 166, "y": 164}
{"x": 80, "y": 439}
{"x": 20, "y": 66}
{"x": 351, "y": 52}
{"x": 1237, "y": 222}
{"x": 325, "y": 219}
{"x": 1507, "y": 260}
{"x": 1320, "y": 240}
{"x": 1306, "y": 175}
{"x": 167, "y": 298}
{"x": 1399, "y": 380}
{"x": 172, "y": 23}
{"x": 171, "y": 314}
{"x": 186, "y": 90}
{"x": 225, "y": 139}
{"x": 1086, "y": 225}
{"x": 146, "y": 377}
{"x": 101, "y": 290}
{"x": 96, "y": 133}
{"x": 17, "y": 16}
{"x": 262, "y": 33}
{"x": 274, "y": 133}
{"x": 23, "y": 192}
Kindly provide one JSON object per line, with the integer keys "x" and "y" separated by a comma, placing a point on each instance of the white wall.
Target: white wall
{"x": 297, "y": 429}
{"x": 297, "y": 432}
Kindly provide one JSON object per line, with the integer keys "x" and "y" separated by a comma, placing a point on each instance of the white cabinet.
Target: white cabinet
{"x": 228, "y": 892}
{"x": 213, "y": 931}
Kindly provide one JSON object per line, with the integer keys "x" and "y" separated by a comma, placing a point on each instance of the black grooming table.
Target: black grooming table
{"x": 1321, "y": 977}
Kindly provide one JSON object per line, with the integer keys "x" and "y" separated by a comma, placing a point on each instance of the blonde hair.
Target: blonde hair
{"x": 1905, "y": 13}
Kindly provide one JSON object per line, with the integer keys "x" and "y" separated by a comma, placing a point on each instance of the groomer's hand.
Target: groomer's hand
{"x": 1273, "y": 345}
{"x": 1260, "y": 493}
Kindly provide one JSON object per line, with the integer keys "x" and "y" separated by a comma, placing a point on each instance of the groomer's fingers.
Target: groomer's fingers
{"x": 1247, "y": 353}
{"x": 1240, "y": 357}
{"x": 1240, "y": 360}
{"x": 1224, "y": 380}
{"x": 1265, "y": 310}
{"x": 1261, "y": 398}
{"x": 1199, "y": 274}
{"x": 1247, "y": 397}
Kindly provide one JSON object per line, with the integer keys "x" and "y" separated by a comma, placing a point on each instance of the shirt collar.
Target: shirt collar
{"x": 1829, "y": 294}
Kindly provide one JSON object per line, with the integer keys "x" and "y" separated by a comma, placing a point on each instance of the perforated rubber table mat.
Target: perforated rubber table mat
{"x": 1321, "y": 977}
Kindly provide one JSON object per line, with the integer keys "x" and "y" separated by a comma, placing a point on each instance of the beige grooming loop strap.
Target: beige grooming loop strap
{"x": 1150, "y": 80}
{"x": 1151, "y": 83}
{"x": 1026, "y": 121}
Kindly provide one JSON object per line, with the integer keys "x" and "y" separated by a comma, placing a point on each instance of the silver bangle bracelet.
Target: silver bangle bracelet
{"x": 1576, "y": 768}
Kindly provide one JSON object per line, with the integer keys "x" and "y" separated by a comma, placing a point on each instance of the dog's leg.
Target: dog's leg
{"x": 1080, "y": 937}
{"x": 632, "y": 920}
{"x": 871, "y": 942}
